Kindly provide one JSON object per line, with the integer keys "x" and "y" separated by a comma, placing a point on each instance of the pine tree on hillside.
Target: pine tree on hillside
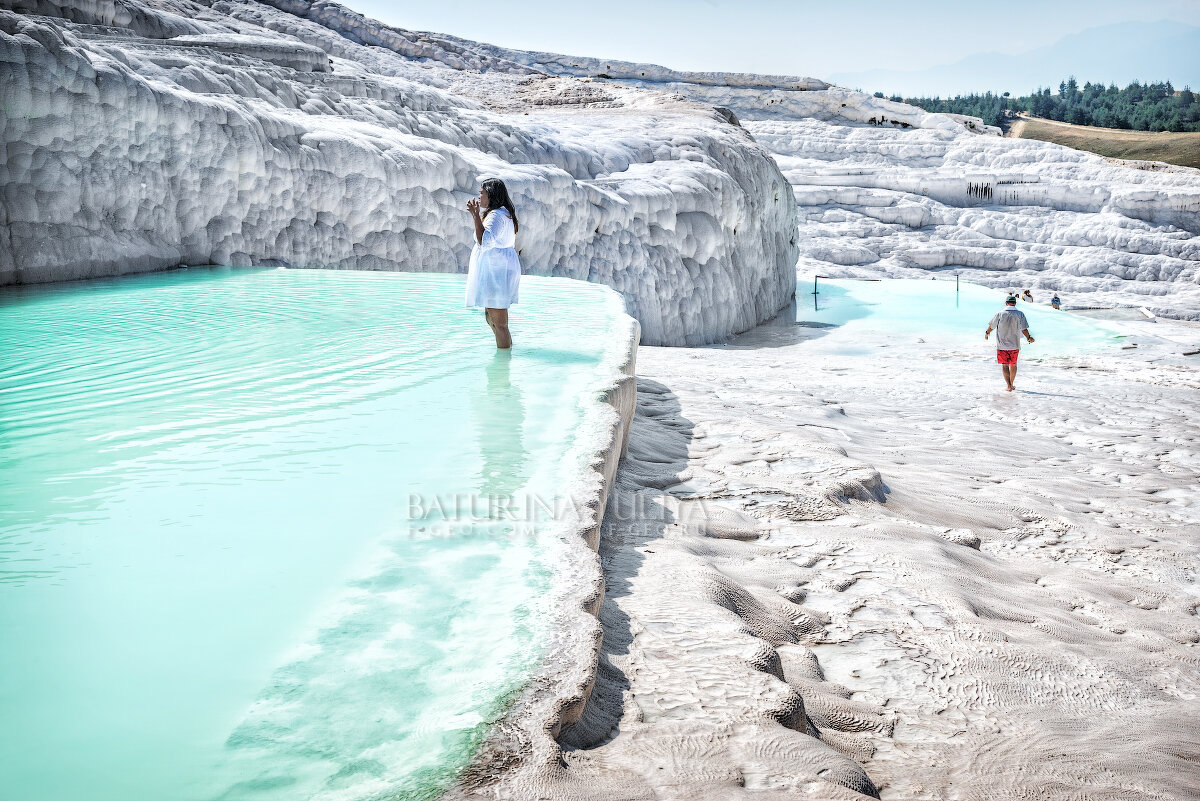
{"x": 1143, "y": 107}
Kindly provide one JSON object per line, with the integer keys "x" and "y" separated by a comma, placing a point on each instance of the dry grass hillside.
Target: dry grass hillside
{"x": 1173, "y": 148}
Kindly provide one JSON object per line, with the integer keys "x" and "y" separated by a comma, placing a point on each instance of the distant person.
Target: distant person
{"x": 1055, "y": 302}
{"x": 495, "y": 272}
{"x": 1028, "y": 296}
{"x": 1009, "y": 326}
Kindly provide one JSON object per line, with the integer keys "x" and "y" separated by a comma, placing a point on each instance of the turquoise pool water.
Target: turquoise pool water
{"x": 228, "y": 567}
{"x": 934, "y": 311}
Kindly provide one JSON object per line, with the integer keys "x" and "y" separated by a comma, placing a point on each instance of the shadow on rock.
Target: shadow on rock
{"x": 656, "y": 459}
{"x": 781, "y": 330}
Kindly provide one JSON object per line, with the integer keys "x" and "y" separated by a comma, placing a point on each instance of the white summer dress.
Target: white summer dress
{"x": 495, "y": 272}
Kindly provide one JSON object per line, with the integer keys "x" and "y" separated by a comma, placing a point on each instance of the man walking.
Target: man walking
{"x": 1009, "y": 326}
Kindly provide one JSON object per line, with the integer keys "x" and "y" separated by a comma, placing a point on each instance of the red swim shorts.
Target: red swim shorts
{"x": 1007, "y": 356}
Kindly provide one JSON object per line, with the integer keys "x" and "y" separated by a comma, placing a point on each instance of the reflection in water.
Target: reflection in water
{"x": 228, "y": 566}
{"x": 498, "y": 414}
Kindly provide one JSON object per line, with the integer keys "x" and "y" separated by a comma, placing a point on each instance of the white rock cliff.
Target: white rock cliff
{"x": 144, "y": 135}
{"x": 141, "y": 136}
{"x": 887, "y": 189}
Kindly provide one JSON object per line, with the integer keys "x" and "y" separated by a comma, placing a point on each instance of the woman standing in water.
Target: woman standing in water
{"x": 495, "y": 272}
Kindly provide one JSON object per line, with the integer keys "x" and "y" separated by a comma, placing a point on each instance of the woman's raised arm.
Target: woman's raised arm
{"x": 473, "y": 207}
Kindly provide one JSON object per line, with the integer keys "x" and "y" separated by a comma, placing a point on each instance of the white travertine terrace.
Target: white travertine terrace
{"x": 909, "y": 193}
{"x": 222, "y": 134}
{"x": 887, "y": 189}
{"x": 1007, "y": 213}
{"x": 141, "y": 136}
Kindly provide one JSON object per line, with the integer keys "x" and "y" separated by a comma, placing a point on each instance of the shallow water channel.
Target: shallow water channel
{"x": 942, "y": 313}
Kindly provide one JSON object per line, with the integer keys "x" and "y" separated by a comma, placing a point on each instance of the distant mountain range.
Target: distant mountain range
{"x": 1122, "y": 53}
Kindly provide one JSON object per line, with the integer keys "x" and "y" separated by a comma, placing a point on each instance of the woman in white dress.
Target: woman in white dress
{"x": 495, "y": 272}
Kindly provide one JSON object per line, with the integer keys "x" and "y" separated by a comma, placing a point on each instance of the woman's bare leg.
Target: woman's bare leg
{"x": 498, "y": 319}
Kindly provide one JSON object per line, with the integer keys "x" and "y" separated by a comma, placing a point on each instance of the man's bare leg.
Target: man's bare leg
{"x": 1010, "y": 376}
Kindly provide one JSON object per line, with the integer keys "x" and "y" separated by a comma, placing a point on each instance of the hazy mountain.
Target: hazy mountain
{"x": 1144, "y": 51}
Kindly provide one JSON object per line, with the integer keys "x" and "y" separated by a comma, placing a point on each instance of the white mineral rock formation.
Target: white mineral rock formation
{"x": 885, "y": 189}
{"x": 1007, "y": 213}
{"x": 303, "y": 133}
{"x": 140, "y": 136}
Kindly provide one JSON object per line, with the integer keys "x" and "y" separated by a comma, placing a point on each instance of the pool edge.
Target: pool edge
{"x": 523, "y": 743}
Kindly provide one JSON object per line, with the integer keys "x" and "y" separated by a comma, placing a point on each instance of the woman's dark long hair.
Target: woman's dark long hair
{"x": 498, "y": 198}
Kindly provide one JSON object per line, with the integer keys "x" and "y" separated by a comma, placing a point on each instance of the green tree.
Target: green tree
{"x": 1143, "y": 106}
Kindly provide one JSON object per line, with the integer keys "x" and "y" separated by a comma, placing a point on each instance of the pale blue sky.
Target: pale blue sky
{"x": 774, "y": 36}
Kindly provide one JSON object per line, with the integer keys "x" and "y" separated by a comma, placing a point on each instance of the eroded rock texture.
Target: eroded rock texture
{"x": 884, "y": 189}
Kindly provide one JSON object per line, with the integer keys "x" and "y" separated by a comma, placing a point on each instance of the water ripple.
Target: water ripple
{"x": 209, "y": 479}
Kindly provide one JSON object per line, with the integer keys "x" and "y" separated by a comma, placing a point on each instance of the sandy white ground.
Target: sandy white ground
{"x": 969, "y": 593}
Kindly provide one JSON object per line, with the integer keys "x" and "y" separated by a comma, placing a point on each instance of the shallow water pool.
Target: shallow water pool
{"x": 934, "y": 311}
{"x": 253, "y": 541}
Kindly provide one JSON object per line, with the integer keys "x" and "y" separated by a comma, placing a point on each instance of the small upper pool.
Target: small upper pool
{"x": 935, "y": 311}
{"x": 246, "y": 546}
